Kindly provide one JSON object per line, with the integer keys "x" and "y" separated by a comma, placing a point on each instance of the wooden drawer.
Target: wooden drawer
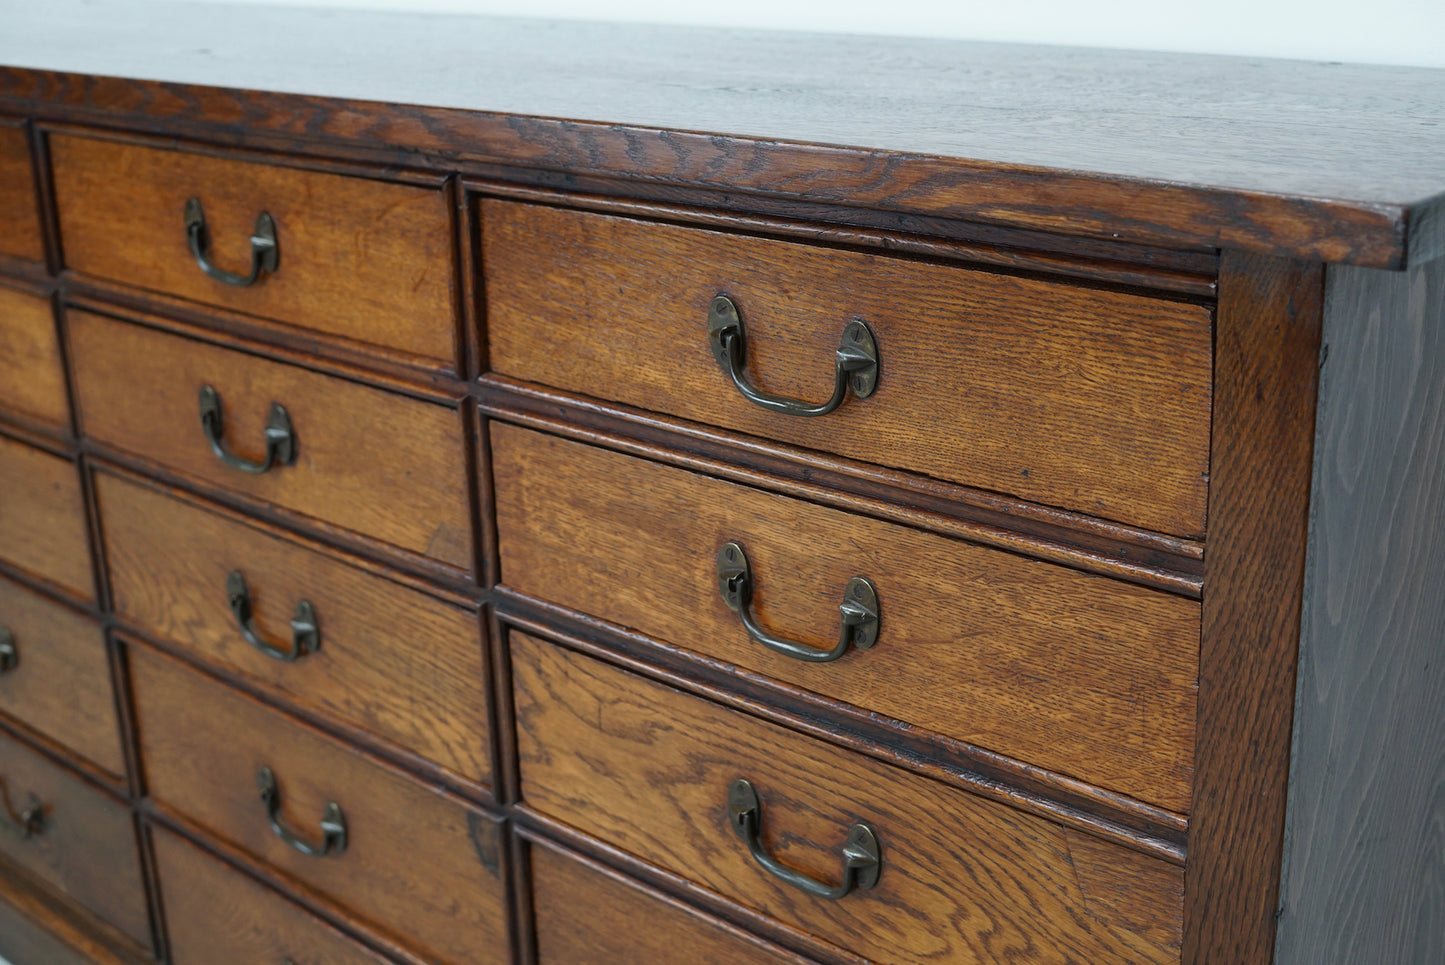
{"x": 19, "y": 220}
{"x": 362, "y": 259}
{"x": 42, "y": 517}
{"x": 360, "y": 453}
{"x": 58, "y": 676}
{"x": 649, "y": 769}
{"x": 32, "y": 375}
{"x": 1079, "y": 674}
{"x": 82, "y": 843}
{"x": 23, "y": 942}
{"x": 391, "y": 660}
{"x": 1091, "y": 400}
{"x": 218, "y": 916}
{"x": 579, "y": 906}
{"x": 418, "y": 864}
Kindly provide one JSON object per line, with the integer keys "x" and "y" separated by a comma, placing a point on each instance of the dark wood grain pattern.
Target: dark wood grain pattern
{"x": 1076, "y": 674}
{"x": 363, "y": 259}
{"x": 42, "y": 518}
{"x": 1267, "y": 362}
{"x": 60, "y": 684}
{"x": 1364, "y": 863}
{"x": 647, "y": 768}
{"x": 350, "y": 471}
{"x": 420, "y": 865}
{"x": 1044, "y": 391}
{"x": 32, "y": 372}
{"x": 19, "y": 218}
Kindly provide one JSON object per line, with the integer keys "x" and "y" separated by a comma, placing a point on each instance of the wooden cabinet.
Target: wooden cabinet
{"x": 549, "y": 496}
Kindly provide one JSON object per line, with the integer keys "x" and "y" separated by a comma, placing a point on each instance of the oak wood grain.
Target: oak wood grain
{"x": 1267, "y": 354}
{"x": 420, "y": 865}
{"x": 42, "y": 517}
{"x": 360, "y": 452}
{"x": 60, "y": 683}
{"x": 32, "y": 371}
{"x": 44, "y": 929}
{"x": 363, "y": 259}
{"x": 19, "y": 218}
{"x": 1090, "y": 400}
{"x": 647, "y": 768}
{"x": 1077, "y": 674}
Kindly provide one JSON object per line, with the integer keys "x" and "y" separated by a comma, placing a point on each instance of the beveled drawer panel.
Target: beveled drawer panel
{"x": 56, "y": 678}
{"x": 363, "y": 259}
{"x": 381, "y": 464}
{"x": 42, "y": 517}
{"x": 219, "y": 916}
{"x": 418, "y": 864}
{"x": 391, "y": 660}
{"x": 1080, "y": 674}
{"x": 79, "y": 840}
{"x": 579, "y": 907}
{"x": 1091, "y": 400}
{"x": 19, "y": 220}
{"x": 32, "y": 375}
{"x": 648, "y": 769}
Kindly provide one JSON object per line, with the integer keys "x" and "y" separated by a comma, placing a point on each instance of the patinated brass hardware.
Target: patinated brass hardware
{"x": 305, "y": 633}
{"x": 9, "y": 656}
{"x": 859, "y": 609}
{"x": 265, "y": 252}
{"x": 280, "y": 436}
{"x": 333, "y": 822}
{"x": 27, "y": 824}
{"x": 856, "y": 364}
{"x": 862, "y": 859}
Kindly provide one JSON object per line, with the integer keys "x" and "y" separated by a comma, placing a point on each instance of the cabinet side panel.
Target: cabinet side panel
{"x": 1364, "y": 860}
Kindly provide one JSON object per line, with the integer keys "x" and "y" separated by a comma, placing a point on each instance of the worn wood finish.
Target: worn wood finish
{"x": 87, "y": 849}
{"x": 42, "y": 518}
{"x": 26, "y": 942}
{"x": 393, "y": 661}
{"x": 647, "y": 768}
{"x": 32, "y": 372}
{"x": 351, "y": 472}
{"x": 1077, "y": 674}
{"x": 38, "y": 928}
{"x": 1267, "y": 353}
{"x": 1051, "y": 393}
{"x": 218, "y": 916}
{"x": 60, "y": 684}
{"x": 201, "y": 745}
{"x": 1364, "y": 861}
{"x": 19, "y": 218}
{"x": 579, "y": 905}
{"x": 365, "y": 260}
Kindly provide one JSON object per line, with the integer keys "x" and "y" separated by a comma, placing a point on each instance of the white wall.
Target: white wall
{"x": 1364, "y": 31}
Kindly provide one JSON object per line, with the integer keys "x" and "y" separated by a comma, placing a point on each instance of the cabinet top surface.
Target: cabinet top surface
{"x": 1368, "y": 141}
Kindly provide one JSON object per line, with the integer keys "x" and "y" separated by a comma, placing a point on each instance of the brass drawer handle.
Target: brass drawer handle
{"x": 856, "y": 363}
{"x": 859, "y": 609}
{"x": 29, "y": 823}
{"x": 280, "y": 436}
{"x": 305, "y": 634}
{"x": 9, "y": 656}
{"x": 265, "y": 253}
{"x": 333, "y": 822}
{"x": 862, "y": 859}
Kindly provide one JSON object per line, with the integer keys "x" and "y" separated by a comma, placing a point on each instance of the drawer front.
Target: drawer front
{"x": 387, "y": 659}
{"x": 649, "y": 769}
{"x": 19, "y": 219}
{"x": 361, "y": 259}
{"x": 1076, "y": 673}
{"x": 75, "y": 838}
{"x": 417, "y": 864}
{"x": 218, "y": 916}
{"x": 23, "y": 942}
{"x": 579, "y": 906}
{"x": 359, "y": 453}
{"x": 1091, "y": 400}
{"x": 32, "y": 376}
{"x": 42, "y": 517}
{"x": 56, "y": 676}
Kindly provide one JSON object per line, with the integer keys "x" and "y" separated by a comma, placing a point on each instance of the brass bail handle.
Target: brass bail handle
{"x": 265, "y": 252}
{"x": 862, "y": 857}
{"x": 333, "y": 822}
{"x": 305, "y": 632}
{"x": 26, "y": 824}
{"x": 279, "y": 436}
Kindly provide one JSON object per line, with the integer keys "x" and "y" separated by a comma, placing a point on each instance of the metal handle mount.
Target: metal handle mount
{"x": 9, "y": 655}
{"x": 855, "y": 365}
{"x": 280, "y": 436}
{"x": 26, "y": 824}
{"x": 859, "y": 609}
{"x": 862, "y": 859}
{"x": 305, "y": 633}
{"x": 333, "y": 822}
{"x": 265, "y": 253}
